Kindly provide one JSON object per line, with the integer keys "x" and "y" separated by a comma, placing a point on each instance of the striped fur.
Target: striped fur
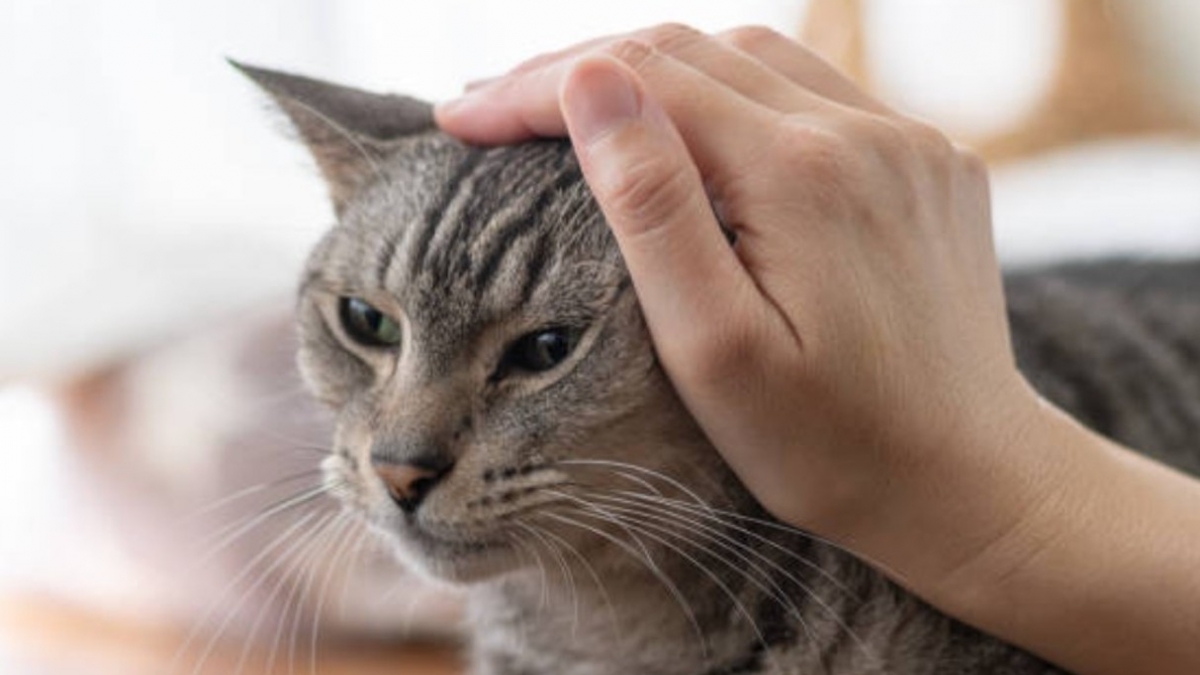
{"x": 573, "y": 510}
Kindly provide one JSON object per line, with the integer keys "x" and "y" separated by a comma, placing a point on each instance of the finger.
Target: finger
{"x": 723, "y": 63}
{"x": 483, "y": 116}
{"x": 576, "y": 50}
{"x": 507, "y": 109}
{"x": 652, "y": 195}
{"x": 722, "y": 129}
{"x": 472, "y": 117}
{"x": 799, "y": 65}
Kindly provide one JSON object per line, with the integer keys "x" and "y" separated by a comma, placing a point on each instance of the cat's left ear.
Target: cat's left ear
{"x": 346, "y": 130}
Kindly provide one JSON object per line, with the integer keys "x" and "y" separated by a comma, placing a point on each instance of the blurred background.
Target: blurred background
{"x": 153, "y": 219}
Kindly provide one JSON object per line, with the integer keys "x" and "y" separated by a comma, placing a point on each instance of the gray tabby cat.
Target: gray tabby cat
{"x": 503, "y": 422}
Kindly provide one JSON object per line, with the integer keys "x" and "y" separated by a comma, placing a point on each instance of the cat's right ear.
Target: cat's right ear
{"x": 346, "y": 130}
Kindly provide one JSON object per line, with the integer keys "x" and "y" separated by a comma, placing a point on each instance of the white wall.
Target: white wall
{"x": 143, "y": 187}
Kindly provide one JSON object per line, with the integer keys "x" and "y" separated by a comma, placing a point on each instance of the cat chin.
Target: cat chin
{"x": 455, "y": 562}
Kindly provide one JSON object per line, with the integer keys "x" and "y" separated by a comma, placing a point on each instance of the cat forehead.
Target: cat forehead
{"x": 451, "y": 229}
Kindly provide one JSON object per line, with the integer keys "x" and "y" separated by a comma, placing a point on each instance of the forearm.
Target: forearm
{"x": 1093, "y": 564}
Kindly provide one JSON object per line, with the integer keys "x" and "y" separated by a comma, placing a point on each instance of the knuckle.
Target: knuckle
{"x": 972, "y": 171}
{"x": 669, "y": 36}
{"x": 633, "y": 52}
{"x": 879, "y": 135}
{"x": 925, "y": 139}
{"x": 750, "y": 38}
{"x": 648, "y": 191}
{"x": 811, "y": 152}
{"x": 972, "y": 162}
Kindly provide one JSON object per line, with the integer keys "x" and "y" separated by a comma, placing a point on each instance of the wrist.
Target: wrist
{"x": 1076, "y": 540}
{"x": 975, "y": 501}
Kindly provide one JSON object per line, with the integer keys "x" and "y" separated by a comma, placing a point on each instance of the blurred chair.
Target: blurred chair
{"x": 1102, "y": 86}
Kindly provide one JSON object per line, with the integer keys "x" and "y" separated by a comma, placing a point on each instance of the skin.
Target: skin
{"x": 849, "y": 355}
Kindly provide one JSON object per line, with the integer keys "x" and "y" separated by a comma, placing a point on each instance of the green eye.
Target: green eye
{"x": 366, "y": 325}
{"x": 540, "y": 351}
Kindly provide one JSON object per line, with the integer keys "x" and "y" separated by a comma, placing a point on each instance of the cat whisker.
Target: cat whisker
{"x": 323, "y": 594}
{"x": 712, "y": 533}
{"x": 318, "y": 450}
{"x": 356, "y": 554}
{"x": 198, "y": 625}
{"x": 302, "y": 556}
{"x": 600, "y": 587}
{"x": 568, "y": 578}
{"x": 646, "y": 501}
{"x": 645, "y": 558}
{"x": 300, "y": 591}
{"x": 728, "y": 517}
{"x": 746, "y": 555}
{"x": 232, "y": 532}
{"x": 625, "y": 467}
{"x": 586, "y": 504}
{"x": 544, "y": 587}
{"x": 303, "y": 542}
{"x": 246, "y": 492}
{"x": 715, "y": 578}
{"x": 246, "y": 571}
{"x": 521, "y": 540}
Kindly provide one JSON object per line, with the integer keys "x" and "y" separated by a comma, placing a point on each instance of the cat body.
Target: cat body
{"x": 503, "y": 422}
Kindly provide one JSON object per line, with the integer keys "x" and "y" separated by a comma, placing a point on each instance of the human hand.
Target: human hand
{"x": 853, "y": 340}
{"x": 849, "y": 354}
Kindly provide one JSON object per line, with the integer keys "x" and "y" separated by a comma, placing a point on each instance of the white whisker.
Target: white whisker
{"x": 743, "y": 553}
{"x": 314, "y": 538}
{"x": 322, "y": 594}
{"x": 247, "y": 569}
{"x": 568, "y": 578}
{"x": 626, "y": 466}
{"x": 229, "y": 534}
{"x": 650, "y": 565}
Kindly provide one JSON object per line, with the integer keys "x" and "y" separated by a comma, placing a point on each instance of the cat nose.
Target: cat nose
{"x": 408, "y": 482}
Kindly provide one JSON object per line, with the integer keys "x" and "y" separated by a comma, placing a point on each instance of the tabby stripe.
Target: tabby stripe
{"x": 502, "y": 241}
{"x": 438, "y": 211}
{"x": 451, "y": 261}
{"x": 387, "y": 252}
{"x": 536, "y": 261}
{"x": 454, "y": 236}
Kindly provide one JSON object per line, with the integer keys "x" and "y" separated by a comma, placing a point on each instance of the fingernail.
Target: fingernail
{"x": 599, "y": 97}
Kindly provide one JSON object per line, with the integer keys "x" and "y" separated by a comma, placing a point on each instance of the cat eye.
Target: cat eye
{"x": 539, "y": 351}
{"x": 366, "y": 325}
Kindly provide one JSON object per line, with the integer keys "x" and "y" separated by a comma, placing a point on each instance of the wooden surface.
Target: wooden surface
{"x": 38, "y": 637}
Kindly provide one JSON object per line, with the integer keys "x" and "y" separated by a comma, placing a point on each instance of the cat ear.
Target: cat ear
{"x": 346, "y": 130}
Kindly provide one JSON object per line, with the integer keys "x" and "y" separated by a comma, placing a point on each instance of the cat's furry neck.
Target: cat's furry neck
{"x": 541, "y": 621}
{"x": 839, "y": 617}
{"x": 546, "y": 622}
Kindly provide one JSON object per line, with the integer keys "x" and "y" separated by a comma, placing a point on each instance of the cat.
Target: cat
{"x": 503, "y": 423}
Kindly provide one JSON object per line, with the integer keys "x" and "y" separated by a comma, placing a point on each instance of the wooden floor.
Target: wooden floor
{"x": 41, "y": 638}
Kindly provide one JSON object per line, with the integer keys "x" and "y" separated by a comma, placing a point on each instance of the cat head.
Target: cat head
{"x": 471, "y": 323}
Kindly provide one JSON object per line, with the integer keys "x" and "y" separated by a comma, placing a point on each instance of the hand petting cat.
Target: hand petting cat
{"x": 849, "y": 354}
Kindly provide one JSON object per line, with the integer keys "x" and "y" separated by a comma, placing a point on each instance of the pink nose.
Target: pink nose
{"x": 406, "y": 483}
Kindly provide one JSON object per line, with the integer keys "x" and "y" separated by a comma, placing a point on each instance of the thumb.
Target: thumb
{"x": 688, "y": 279}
